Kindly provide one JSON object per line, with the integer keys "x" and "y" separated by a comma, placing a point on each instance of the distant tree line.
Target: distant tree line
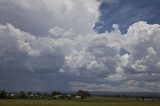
{"x": 54, "y": 95}
{"x": 39, "y": 95}
{"x": 139, "y": 98}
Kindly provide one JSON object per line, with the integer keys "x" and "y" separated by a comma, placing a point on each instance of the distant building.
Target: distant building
{"x": 77, "y": 97}
{"x": 58, "y": 96}
{"x": 31, "y": 95}
{"x": 12, "y": 94}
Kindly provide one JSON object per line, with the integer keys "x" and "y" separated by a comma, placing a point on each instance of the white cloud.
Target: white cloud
{"x": 43, "y": 15}
{"x": 151, "y": 51}
{"x": 116, "y": 77}
{"x": 72, "y": 47}
{"x": 95, "y": 58}
{"x": 143, "y": 59}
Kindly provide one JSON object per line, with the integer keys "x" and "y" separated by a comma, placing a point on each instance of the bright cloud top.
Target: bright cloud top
{"x": 111, "y": 61}
{"x": 42, "y": 15}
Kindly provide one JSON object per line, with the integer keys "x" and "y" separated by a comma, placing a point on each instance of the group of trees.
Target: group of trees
{"x": 83, "y": 94}
{"x": 139, "y": 98}
{"x": 3, "y": 94}
{"x": 32, "y": 95}
{"x": 21, "y": 95}
{"x": 56, "y": 93}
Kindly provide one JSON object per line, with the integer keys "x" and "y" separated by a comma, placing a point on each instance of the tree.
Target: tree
{"x": 22, "y": 95}
{"x": 55, "y": 93}
{"x": 38, "y": 95}
{"x": 83, "y": 94}
{"x": 29, "y": 93}
{"x": 3, "y": 94}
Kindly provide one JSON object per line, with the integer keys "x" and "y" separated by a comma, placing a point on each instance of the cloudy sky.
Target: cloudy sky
{"x": 67, "y": 45}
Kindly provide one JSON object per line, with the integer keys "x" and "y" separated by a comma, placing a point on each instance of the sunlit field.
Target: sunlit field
{"x": 92, "y": 101}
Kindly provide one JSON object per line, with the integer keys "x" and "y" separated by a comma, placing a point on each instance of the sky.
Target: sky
{"x": 70, "y": 45}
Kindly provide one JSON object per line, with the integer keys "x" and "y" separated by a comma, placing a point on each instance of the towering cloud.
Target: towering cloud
{"x": 38, "y": 16}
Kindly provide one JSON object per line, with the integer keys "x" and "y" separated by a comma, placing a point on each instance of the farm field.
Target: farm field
{"x": 92, "y": 101}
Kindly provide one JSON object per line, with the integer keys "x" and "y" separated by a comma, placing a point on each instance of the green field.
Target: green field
{"x": 93, "y": 101}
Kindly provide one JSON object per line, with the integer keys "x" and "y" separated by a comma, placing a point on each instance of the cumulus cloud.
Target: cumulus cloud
{"x": 71, "y": 48}
{"x": 39, "y": 16}
{"x": 139, "y": 64}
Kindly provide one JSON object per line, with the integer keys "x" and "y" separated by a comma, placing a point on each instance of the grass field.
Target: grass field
{"x": 93, "y": 101}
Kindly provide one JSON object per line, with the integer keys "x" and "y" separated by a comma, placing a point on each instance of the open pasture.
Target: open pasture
{"x": 92, "y": 101}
